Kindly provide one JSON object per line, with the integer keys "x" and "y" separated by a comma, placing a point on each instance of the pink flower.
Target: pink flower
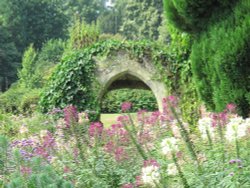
{"x": 128, "y": 185}
{"x": 219, "y": 119}
{"x": 42, "y": 152}
{"x": 126, "y": 106}
{"x": 119, "y": 153}
{"x": 115, "y": 129}
{"x": 123, "y": 119}
{"x": 70, "y": 115}
{"x": 95, "y": 129}
{"x": 49, "y": 141}
{"x": 231, "y": 108}
{"x": 168, "y": 103}
{"x": 141, "y": 115}
{"x": 109, "y": 147}
{"x": 154, "y": 118}
{"x": 150, "y": 162}
{"x": 25, "y": 170}
{"x": 172, "y": 100}
{"x": 138, "y": 181}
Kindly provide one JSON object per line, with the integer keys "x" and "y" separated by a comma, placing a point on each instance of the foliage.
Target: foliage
{"x": 26, "y": 74}
{"x": 141, "y": 99}
{"x": 42, "y": 175}
{"x": 47, "y": 58}
{"x": 73, "y": 82}
{"x": 9, "y": 58}
{"x": 142, "y": 19}
{"x": 51, "y": 53}
{"x": 111, "y": 19}
{"x": 220, "y": 49}
{"x": 227, "y": 70}
{"x": 33, "y": 21}
{"x": 11, "y": 99}
{"x": 19, "y": 99}
{"x": 155, "y": 150}
{"x": 84, "y": 9}
{"x": 82, "y": 35}
{"x": 194, "y": 16}
{"x": 29, "y": 102}
{"x": 24, "y": 95}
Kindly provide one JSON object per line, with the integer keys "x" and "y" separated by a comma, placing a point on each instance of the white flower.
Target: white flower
{"x": 23, "y": 129}
{"x": 175, "y": 128}
{"x": 168, "y": 145}
{"x": 205, "y": 125}
{"x": 43, "y": 133}
{"x": 236, "y": 128}
{"x": 150, "y": 175}
{"x": 172, "y": 170}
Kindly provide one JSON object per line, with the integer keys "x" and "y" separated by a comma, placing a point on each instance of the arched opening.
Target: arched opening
{"x": 131, "y": 78}
{"x": 126, "y": 87}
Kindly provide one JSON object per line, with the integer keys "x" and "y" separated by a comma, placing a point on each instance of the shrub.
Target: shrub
{"x": 19, "y": 99}
{"x": 141, "y": 99}
{"x": 220, "y": 49}
{"x": 224, "y": 59}
{"x": 11, "y": 99}
{"x": 29, "y": 102}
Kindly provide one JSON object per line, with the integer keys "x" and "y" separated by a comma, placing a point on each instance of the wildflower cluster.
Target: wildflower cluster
{"x": 155, "y": 150}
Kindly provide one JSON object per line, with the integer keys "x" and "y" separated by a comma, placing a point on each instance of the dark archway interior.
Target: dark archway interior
{"x": 128, "y": 81}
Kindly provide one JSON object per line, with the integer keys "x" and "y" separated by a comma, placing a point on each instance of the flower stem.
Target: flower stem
{"x": 181, "y": 174}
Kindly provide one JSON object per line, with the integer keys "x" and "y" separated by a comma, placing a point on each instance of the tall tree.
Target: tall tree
{"x": 142, "y": 19}
{"x": 33, "y": 21}
{"x": 8, "y": 59}
{"x": 111, "y": 19}
{"x": 89, "y": 10}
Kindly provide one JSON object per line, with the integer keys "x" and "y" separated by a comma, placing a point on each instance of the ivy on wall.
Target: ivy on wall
{"x": 73, "y": 81}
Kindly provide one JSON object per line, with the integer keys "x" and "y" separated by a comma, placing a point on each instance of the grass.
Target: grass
{"x": 109, "y": 119}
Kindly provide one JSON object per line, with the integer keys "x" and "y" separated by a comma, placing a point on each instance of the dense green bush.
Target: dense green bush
{"x": 220, "y": 53}
{"x": 30, "y": 101}
{"x": 11, "y": 99}
{"x": 48, "y": 57}
{"x": 194, "y": 15}
{"x": 19, "y": 99}
{"x": 140, "y": 99}
{"x": 37, "y": 66}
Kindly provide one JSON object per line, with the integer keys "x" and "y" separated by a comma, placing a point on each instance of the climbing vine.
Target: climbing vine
{"x": 73, "y": 81}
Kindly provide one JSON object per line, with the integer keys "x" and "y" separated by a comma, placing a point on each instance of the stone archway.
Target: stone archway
{"x": 129, "y": 72}
{"x": 83, "y": 77}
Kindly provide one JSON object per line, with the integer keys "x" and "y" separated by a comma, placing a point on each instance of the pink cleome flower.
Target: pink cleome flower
{"x": 126, "y": 106}
{"x": 150, "y": 162}
{"x": 70, "y": 115}
{"x": 231, "y": 108}
{"x": 95, "y": 129}
{"x": 123, "y": 119}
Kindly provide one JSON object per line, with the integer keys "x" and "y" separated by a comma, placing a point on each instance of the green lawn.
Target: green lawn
{"x": 109, "y": 119}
